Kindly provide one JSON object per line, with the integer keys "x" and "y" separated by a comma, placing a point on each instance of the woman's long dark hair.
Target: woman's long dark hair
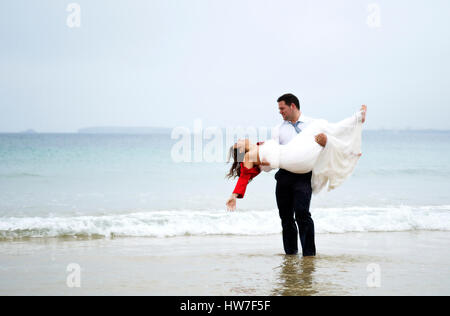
{"x": 235, "y": 170}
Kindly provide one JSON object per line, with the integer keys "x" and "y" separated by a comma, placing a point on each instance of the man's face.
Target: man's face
{"x": 286, "y": 111}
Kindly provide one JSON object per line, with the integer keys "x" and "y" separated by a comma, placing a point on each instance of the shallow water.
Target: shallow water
{"x": 410, "y": 263}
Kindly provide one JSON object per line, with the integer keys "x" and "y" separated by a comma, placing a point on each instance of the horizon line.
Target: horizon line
{"x": 169, "y": 128}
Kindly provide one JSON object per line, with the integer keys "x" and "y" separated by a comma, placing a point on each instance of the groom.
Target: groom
{"x": 293, "y": 191}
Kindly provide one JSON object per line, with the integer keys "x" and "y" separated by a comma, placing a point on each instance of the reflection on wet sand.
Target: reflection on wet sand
{"x": 296, "y": 277}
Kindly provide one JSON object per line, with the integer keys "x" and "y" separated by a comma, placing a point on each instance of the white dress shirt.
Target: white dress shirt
{"x": 285, "y": 132}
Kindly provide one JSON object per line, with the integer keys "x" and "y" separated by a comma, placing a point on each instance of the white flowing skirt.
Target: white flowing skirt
{"x": 331, "y": 164}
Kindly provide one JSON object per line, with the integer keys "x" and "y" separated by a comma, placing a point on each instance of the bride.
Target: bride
{"x": 330, "y": 164}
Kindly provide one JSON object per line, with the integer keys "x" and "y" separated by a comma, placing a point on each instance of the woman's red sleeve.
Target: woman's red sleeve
{"x": 245, "y": 177}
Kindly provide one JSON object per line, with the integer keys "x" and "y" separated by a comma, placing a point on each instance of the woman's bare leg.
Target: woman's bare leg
{"x": 364, "y": 109}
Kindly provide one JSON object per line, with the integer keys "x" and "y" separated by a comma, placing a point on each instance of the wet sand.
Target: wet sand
{"x": 397, "y": 263}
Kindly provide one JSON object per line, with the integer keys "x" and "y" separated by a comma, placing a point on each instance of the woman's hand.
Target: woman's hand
{"x": 231, "y": 203}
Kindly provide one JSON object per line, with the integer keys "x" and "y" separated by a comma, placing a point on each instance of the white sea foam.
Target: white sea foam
{"x": 220, "y": 222}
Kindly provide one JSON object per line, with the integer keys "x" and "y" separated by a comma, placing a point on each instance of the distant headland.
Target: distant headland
{"x": 28, "y": 131}
{"x": 124, "y": 130}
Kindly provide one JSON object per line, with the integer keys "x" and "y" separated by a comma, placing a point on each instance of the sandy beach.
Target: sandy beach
{"x": 397, "y": 263}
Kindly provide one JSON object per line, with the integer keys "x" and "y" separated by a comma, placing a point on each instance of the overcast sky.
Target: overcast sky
{"x": 168, "y": 62}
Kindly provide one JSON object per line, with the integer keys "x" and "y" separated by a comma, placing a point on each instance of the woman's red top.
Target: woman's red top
{"x": 244, "y": 178}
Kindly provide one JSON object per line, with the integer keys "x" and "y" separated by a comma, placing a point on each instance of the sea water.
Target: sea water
{"x": 54, "y": 185}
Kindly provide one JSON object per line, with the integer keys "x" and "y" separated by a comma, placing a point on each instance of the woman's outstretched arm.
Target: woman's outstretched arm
{"x": 248, "y": 172}
{"x": 239, "y": 190}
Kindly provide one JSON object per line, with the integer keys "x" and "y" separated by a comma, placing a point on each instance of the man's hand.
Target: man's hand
{"x": 265, "y": 163}
{"x": 231, "y": 203}
{"x": 321, "y": 139}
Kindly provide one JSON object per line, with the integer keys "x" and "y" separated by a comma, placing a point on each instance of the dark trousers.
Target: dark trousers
{"x": 293, "y": 193}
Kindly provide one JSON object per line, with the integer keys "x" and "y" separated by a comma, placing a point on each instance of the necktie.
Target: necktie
{"x": 297, "y": 129}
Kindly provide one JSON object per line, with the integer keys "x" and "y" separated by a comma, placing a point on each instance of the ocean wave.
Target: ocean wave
{"x": 173, "y": 223}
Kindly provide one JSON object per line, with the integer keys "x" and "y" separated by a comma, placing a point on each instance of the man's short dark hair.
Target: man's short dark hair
{"x": 289, "y": 98}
